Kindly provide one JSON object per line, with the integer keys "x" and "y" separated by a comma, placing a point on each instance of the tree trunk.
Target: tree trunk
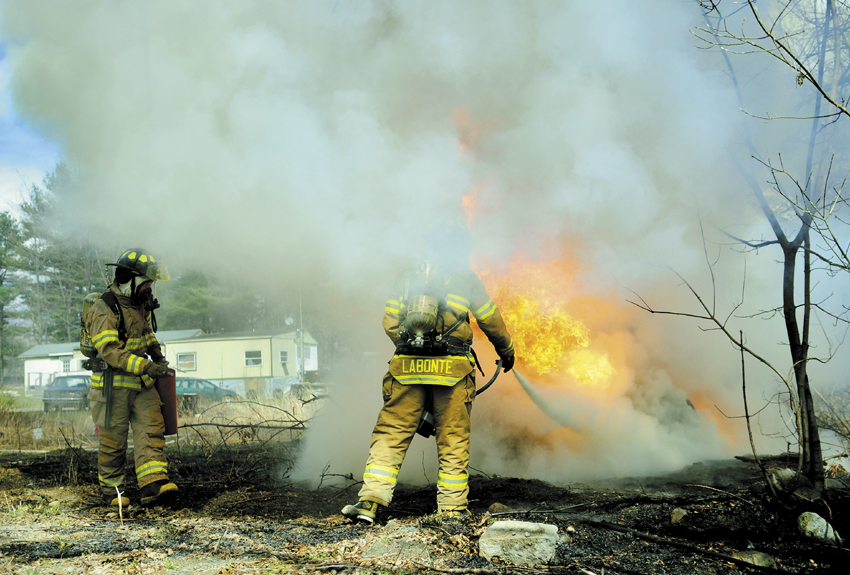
{"x": 809, "y": 437}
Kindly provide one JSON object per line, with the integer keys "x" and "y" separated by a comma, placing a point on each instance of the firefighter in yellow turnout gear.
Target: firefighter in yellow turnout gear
{"x": 433, "y": 369}
{"x": 129, "y": 360}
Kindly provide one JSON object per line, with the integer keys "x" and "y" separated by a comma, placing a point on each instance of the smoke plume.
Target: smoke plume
{"x": 315, "y": 141}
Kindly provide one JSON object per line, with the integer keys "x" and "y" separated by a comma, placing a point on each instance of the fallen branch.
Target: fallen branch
{"x": 541, "y": 512}
{"x": 663, "y": 541}
{"x": 747, "y": 415}
{"x": 719, "y": 491}
{"x": 297, "y": 425}
{"x": 467, "y": 570}
{"x": 344, "y": 490}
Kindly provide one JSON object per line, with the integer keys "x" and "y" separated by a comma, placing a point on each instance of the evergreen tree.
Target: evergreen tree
{"x": 9, "y": 344}
{"x": 54, "y": 271}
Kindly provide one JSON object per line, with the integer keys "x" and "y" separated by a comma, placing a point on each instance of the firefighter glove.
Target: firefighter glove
{"x": 155, "y": 370}
{"x": 508, "y": 362}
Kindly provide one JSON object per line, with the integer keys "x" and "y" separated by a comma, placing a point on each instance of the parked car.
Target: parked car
{"x": 192, "y": 391}
{"x": 67, "y": 391}
{"x": 310, "y": 391}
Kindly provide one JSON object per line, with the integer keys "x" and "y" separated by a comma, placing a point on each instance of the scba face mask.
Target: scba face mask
{"x": 146, "y": 294}
{"x": 142, "y": 291}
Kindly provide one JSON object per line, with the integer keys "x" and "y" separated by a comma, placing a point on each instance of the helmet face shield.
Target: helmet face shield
{"x": 157, "y": 272}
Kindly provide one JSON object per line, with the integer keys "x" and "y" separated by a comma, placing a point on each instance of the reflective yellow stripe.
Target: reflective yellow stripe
{"x": 136, "y": 343}
{"x": 111, "y": 482}
{"x": 457, "y": 302}
{"x": 382, "y": 473}
{"x": 452, "y": 481}
{"x": 427, "y": 379}
{"x": 135, "y": 364}
{"x": 152, "y": 467}
{"x": 121, "y": 379}
{"x": 104, "y": 337}
{"x": 393, "y": 306}
{"x": 485, "y": 310}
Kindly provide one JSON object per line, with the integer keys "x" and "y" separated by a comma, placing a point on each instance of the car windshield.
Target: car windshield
{"x": 196, "y": 384}
{"x": 69, "y": 382}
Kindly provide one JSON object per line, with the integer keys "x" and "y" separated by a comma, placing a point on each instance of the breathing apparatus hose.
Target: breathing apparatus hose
{"x": 492, "y": 379}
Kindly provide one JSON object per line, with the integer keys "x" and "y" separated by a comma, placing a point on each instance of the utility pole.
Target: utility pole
{"x": 301, "y": 320}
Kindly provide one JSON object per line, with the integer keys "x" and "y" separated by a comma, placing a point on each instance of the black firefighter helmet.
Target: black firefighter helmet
{"x": 137, "y": 262}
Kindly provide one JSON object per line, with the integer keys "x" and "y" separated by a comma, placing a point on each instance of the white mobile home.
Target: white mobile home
{"x": 254, "y": 364}
{"x": 43, "y": 363}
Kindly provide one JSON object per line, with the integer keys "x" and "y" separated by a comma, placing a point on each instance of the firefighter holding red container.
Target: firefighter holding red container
{"x": 432, "y": 372}
{"x": 121, "y": 325}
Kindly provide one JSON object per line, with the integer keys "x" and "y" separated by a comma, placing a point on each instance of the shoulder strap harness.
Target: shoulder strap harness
{"x": 112, "y": 301}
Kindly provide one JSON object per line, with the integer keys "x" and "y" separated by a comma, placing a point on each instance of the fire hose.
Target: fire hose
{"x": 426, "y": 426}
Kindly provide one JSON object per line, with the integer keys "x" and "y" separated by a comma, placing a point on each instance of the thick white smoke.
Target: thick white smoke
{"x": 302, "y": 140}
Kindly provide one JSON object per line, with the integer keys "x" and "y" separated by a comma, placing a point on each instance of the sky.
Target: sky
{"x": 321, "y": 142}
{"x": 25, "y": 155}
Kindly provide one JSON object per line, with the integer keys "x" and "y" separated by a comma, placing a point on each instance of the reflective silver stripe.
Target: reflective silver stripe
{"x": 452, "y": 481}
{"x": 127, "y": 380}
{"x": 104, "y": 337}
{"x": 485, "y": 310}
{"x": 388, "y": 474}
{"x": 152, "y": 467}
{"x": 111, "y": 482}
{"x": 457, "y": 302}
{"x": 134, "y": 364}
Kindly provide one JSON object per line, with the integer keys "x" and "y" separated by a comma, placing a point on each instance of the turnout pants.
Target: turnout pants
{"x": 396, "y": 426}
{"x": 141, "y": 409}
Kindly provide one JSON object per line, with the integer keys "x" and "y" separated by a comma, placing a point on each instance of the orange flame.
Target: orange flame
{"x": 533, "y": 298}
{"x": 471, "y": 203}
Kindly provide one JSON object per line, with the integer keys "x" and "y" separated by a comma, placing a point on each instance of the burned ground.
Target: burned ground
{"x": 237, "y": 513}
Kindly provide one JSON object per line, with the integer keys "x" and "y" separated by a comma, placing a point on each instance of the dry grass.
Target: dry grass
{"x": 238, "y": 443}
{"x": 36, "y": 430}
{"x": 211, "y": 427}
{"x": 833, "y": 413}
{"x": 284, "y": 419}
{"x": 257, "y": 438}
{"x": 246, "y": 421}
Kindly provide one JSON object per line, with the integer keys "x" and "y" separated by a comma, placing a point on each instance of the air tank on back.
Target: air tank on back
{"x": 422, "y": 303}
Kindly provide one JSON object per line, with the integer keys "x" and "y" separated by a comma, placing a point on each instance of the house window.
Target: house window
{"x": 254, "y": 357}
{"x": 186, "y": 361}
{"x": 66, "y": 365}
{"x": 284, "y": 357}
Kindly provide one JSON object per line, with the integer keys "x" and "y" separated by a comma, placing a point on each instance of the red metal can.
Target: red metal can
{"x": 167, "y": 388}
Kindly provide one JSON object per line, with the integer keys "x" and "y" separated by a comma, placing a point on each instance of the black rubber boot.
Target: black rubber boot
{"x": 157, "y": 490}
